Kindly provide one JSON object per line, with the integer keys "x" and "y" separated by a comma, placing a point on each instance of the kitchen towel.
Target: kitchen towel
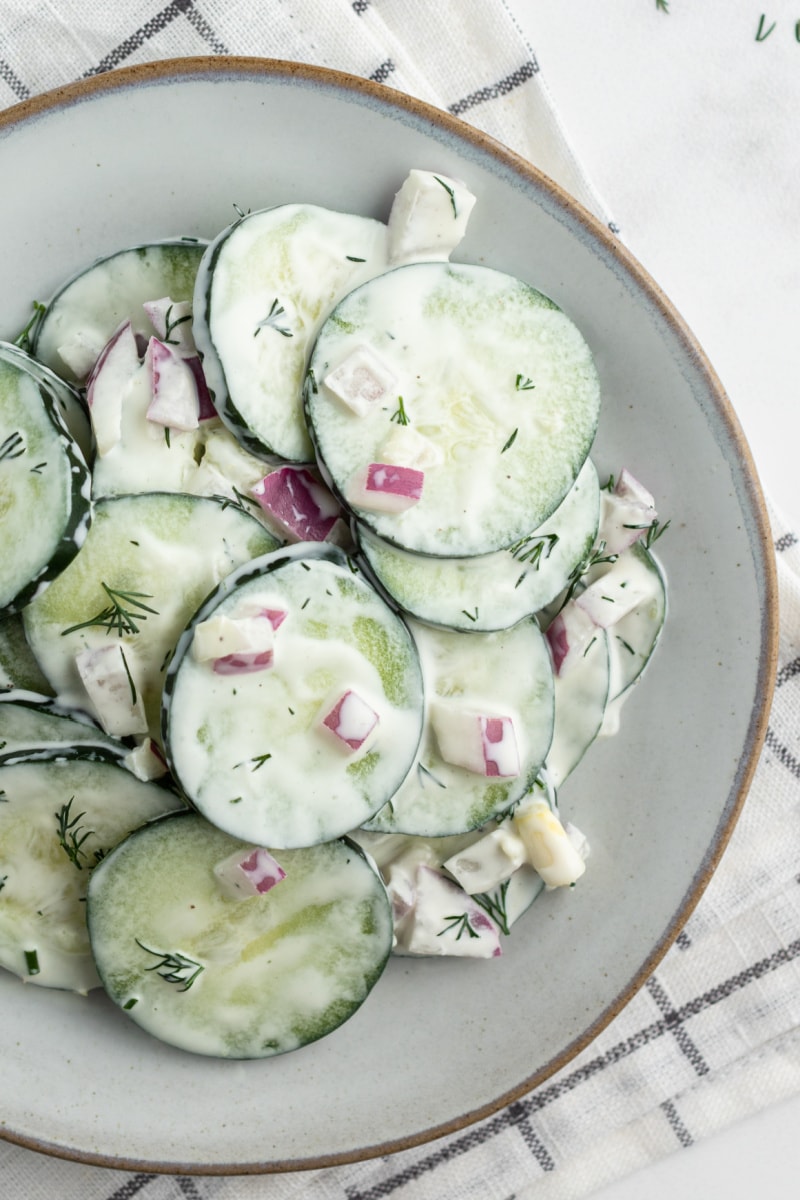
{"x": 715, "y": 1033}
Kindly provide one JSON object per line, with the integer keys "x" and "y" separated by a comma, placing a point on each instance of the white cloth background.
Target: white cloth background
{"x": 715, "y": 1032}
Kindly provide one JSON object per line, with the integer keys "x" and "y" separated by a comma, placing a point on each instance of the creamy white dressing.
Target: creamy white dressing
{"x": 509, "y": 672}
{"x": 265, "y": 287}
{"x": 250, "y": 749}
{"x": 146, "y": 544}
{"x": 274, "y": 970}
{"x": 492, "y": 591}
{"x": 495, "y": 376}
{"x": 43, "y": 934}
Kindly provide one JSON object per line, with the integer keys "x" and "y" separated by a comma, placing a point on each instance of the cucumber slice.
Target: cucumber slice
{"x": 19, "y": 670}
{"x": 507, "y": 672}
{"x": 250, "y": 750}
{"x": 44, "y": 488}
{"x": 57, "y": 818}
{"x": 633, "y": 639}
{"x": 491, "y": 591}
{"x": 266, "y": 284}
{"x": 228, "y": 977}
{"x": 159, "y": 555}
{"x": 581, "y": 697}
{"x": 496, "y": 379}
{"x": 70, "y": 402}
{"x": 90, "y": 306}
{"x": 28, "y": 726}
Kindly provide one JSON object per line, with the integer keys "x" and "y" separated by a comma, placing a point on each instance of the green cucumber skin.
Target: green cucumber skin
{"x": 321, "y": 819}
{"x": 238, "y": 1006}
{"x": 79, "y": 513}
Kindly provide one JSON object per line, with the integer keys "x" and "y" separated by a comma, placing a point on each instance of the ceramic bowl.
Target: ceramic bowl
{"x": 170, "y": 148}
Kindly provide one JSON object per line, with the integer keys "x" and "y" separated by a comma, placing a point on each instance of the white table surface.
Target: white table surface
{"x": 686, "y": 124}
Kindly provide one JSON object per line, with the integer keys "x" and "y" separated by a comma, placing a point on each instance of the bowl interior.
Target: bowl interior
{"x": 171, "y": 148}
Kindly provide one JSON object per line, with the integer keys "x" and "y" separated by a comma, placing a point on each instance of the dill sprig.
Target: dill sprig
{"x": 400, "y": 416}
{"x": 71, "y": 835}
{"x": 510, "y": 441}
{"x": 13, "y": 446}
{"x": 272, "y": 319}
{"x": 451, "y": 193}
{"x": 170, "y": 324}
{"x": 654, "y": 532}
{"x": 594, "y": 558}
{"x": 534, "y": 548}
{"x": 173, "y": 966}
{"x": 24, "y": 340}
{"x": 496, "y": 905}
{"x": 460, "y": 922}
{"x": 121, "y": 616}
{"x": 523, "y": 384}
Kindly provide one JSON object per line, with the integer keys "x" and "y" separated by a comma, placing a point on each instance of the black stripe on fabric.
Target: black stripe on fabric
{"x": 156, "y": 24}
{"x": 683, "y": 941}
{"x": 382, "y": 73}
{"x": 684, "y": 1042}
{"x": 785, "y": 541}
{"x": 132, "y": 1187}
{"x": 188, "y": 1188}
{"x": 547, "y": 1094}
{"x": 614, "y": 227}
{"x": 787, "y": 672}
{"x": 14, "y": 82}
{"x": 493, "y": 90}
{"x": 534, "y": 1142}
{"x": 676, "y": 1124}
{"x": 783, "y": 754}
{"x": 360, "y": 6}
{"x": 207, "y": 33}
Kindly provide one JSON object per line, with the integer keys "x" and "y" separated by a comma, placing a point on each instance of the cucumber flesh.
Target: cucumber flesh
{"x": 28, "y": 726}
{"x": 235, "y": 978}
{"x": 507, "y": 672}
{"x": 491, "y": 373}
{"x": 491, "y": 591}
{"x": 581, "y": 697}
{"x": 265, "y": 286}
{"x": 633, "y": 639}
{"x": 44, "y": 488}
{"x": 70, "y": 403}
{"x": 87, "y": 806}
{"x": 250, "y": 750}
{"x": 147, "y": 545}
{"x": 92, "y": 304}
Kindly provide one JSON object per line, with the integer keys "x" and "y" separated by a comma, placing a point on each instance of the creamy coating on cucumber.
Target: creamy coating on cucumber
{"x": 128, "y": 595}
{"x": 81, "y": 317}
{"x": 265, "y": 285}
{"x": 43, "y": 474}
{"x": 235, "y": 978}
{"x": 472, "y": 679}
{"x": 57, "y": 819}
{"x": 493, "y": 375}
{"x": 297, "y": 738}
{"x": 491, "y": 591}
{"x": 426, "y": 692}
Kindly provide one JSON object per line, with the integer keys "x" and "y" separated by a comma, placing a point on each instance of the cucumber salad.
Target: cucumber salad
{"x": 312, "y": 598}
